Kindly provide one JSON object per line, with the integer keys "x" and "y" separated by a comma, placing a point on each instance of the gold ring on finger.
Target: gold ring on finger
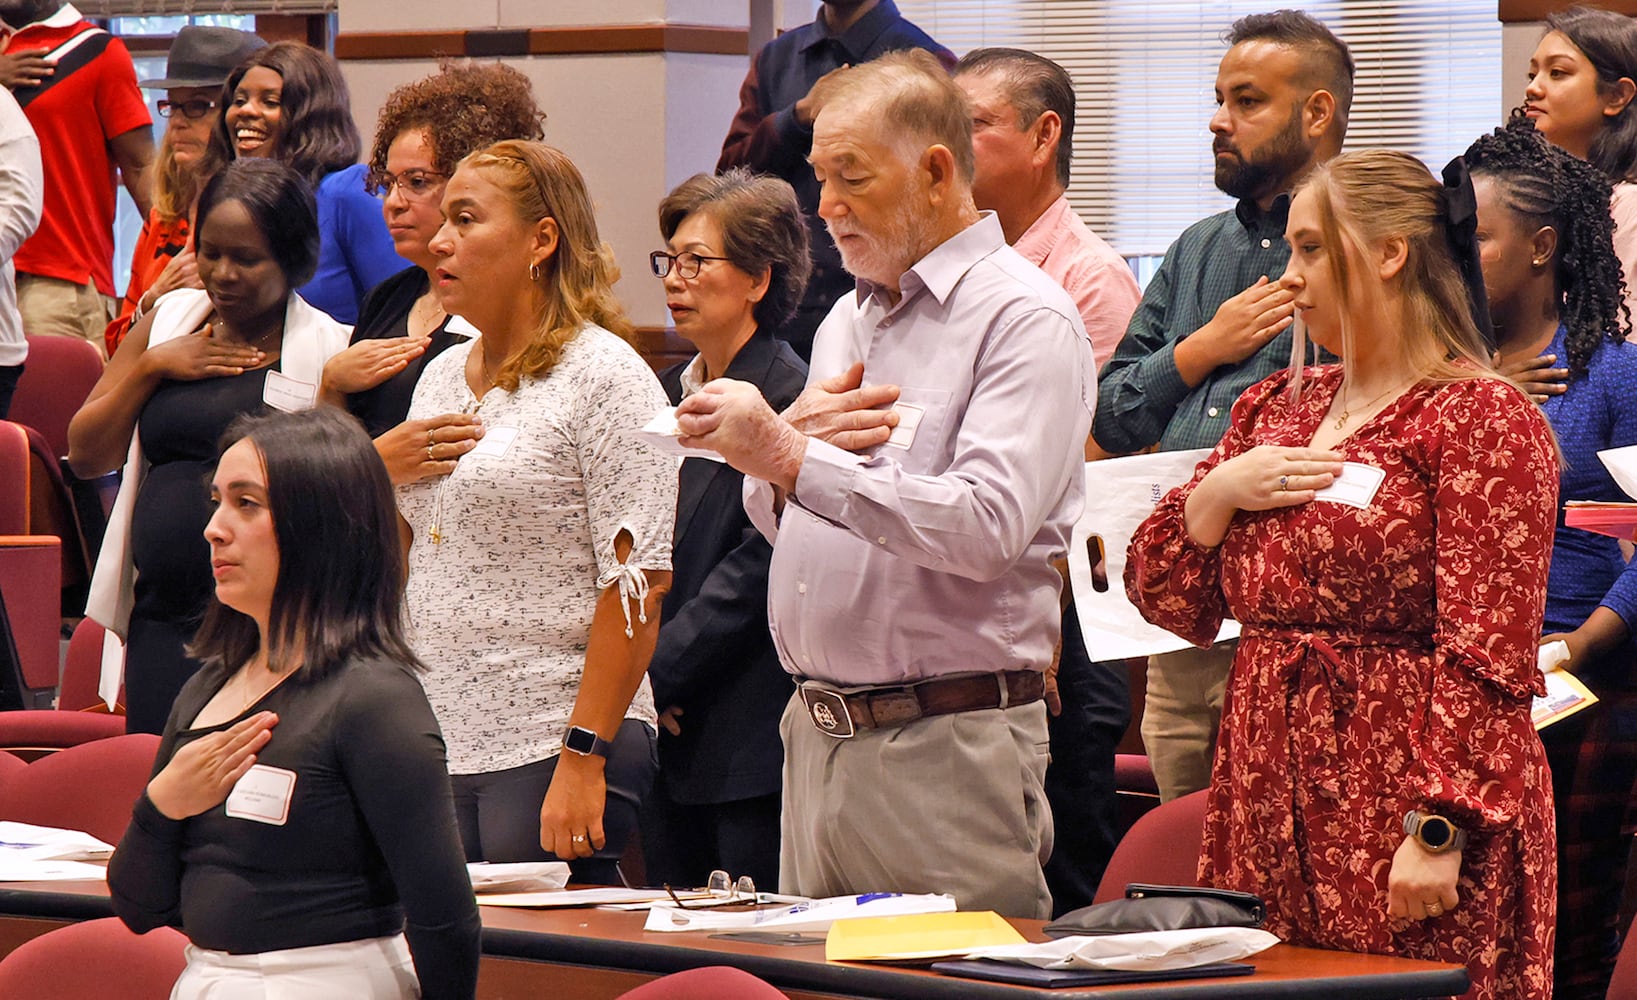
{"x": 429, "y": 439}
{"x": 578, "y": 838}
{"x": 429, "y": 457}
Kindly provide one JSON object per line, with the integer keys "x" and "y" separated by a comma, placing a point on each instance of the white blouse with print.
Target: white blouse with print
{"x": 500, "y": 606}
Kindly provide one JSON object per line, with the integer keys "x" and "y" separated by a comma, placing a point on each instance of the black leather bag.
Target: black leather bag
{"x": 1162, "y": 908}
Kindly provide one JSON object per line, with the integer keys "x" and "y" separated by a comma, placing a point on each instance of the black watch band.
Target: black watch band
{"x": 585, "y": 742}
{"x": 1434, "y": 833}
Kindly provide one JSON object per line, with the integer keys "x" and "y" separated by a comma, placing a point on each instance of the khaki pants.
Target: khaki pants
{"x": 1182, "y": 712}
{"x": 54, "y": 307}
{"x": 954, "y": 803}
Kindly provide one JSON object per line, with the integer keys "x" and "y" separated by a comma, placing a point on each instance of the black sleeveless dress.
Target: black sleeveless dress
{"x": 179, "y": 427}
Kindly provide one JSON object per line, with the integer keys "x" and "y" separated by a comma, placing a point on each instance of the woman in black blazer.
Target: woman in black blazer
{"x": 735, "y": 266}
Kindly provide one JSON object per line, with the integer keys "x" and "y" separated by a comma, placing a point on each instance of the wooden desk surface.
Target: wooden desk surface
{"x": 590, "y": 953}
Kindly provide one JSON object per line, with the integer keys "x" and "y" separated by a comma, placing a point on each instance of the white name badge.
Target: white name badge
{"x": 909, "y": 418}
{"x": 494, "y": 443}
{"x": 1356, "y": 487}
{"x": 289, "y": 394}
{"x": 263, "y": 795}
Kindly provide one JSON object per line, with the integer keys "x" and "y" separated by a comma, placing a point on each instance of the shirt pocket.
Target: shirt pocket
{"x": 922, "y": 441}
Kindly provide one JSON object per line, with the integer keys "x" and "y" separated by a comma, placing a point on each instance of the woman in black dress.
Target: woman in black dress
{"x": 199, "y": 359}
{"x": 425, "y": 128}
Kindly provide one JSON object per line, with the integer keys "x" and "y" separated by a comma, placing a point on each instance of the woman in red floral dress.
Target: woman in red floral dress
{"x": 1388, "y": 655}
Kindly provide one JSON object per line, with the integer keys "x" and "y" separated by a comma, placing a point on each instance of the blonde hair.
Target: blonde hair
{"x": 576, "y": 283}
{"x": 1362, "y": 200}
{"x": 176, "y": 188}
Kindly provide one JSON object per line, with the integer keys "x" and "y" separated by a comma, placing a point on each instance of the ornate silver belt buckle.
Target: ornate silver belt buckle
{"x": 828, "y": 710}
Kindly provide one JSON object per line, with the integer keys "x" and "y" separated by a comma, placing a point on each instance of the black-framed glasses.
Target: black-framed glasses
{"x": 687, "y": 263}
{"x": 416, "y": 185}
{"x": 192, "y": 110}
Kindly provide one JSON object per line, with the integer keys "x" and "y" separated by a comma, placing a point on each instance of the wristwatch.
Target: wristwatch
{"x": 1435, "y": 834}
{"x": 584, "y": 742}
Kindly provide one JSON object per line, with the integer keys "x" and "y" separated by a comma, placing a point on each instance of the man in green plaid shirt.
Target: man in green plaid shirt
{"x": 1213, "y": 320}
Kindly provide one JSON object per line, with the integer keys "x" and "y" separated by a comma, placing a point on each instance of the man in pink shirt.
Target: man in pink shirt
{"x": 1023, "y": 135}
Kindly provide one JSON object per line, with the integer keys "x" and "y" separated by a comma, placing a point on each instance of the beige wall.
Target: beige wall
{"x": 1518, "y": 41}
{"x": 636, "y": 124}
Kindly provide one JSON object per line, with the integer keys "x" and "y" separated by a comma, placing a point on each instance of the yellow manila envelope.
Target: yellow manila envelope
{"x": 916, "y": 936}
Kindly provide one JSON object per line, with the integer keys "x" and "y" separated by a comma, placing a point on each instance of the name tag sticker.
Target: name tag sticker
{"x": 288, "y": 394}
{"x": 1356, "y": 487}
{"x": 263, "y": 795}
{"x": 909, "y": 418}
{"x": 494, "y": 443}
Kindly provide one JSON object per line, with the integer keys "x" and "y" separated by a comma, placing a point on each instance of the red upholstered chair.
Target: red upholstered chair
{"x": 30, "y": 585}
{"x": 95, "y": 960}
{"x": 1162, "y": 848}
{"x": 713, "y": 982}
{"x": 82, "y": 671}
{"x": 13, "y": 479}
{"x": 90, "y": 787}
{"x": 56, "y": 379}
{"x": 34, "y": 733}
{"x": 10, "y": 764}
{"x": 1624, "y": 984}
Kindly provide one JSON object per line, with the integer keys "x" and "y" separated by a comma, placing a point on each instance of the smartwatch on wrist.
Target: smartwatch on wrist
{"x": 585, "y": 742}
{"x": 1435, "y": 834}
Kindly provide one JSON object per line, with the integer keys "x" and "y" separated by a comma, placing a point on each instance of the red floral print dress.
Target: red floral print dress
{"x": 1387, "y": 664}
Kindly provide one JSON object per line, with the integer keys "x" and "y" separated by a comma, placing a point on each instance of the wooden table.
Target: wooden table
{"x": 590, "y": 954}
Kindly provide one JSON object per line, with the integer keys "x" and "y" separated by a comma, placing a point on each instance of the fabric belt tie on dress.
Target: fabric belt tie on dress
{"x": 842, "y": 713}
{"x": 1338, "y": 695}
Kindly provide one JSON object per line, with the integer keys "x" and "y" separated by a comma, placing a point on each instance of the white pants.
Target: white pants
{"x": 372, "y": 969}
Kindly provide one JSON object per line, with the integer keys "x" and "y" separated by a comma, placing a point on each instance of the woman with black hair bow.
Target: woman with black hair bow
{"x": 1555, "y": 291}
{"x": 1381, "y": 529}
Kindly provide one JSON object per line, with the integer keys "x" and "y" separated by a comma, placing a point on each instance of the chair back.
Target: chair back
{"x": 82, "y": 670}
{"x": 711, "y": 982}
{"x": 95, "y": 960}
{"x": 57, "y": 377}
{"x": 13, "y": 479}
{"x": 1161, "y": 848}
{"x": 90, "y": 787}
{"x": 31, "y": 587}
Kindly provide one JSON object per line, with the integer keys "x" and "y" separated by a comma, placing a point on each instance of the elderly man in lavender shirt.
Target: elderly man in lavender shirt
{"x": 912, "y": 590}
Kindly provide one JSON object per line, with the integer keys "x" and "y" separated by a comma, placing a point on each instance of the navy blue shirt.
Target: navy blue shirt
{"x": 767, "y": 137}
{"x": 1598, "y": 411}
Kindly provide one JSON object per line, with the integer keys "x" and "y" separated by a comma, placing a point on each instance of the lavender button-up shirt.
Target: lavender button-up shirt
{"x": 932, "y": 554}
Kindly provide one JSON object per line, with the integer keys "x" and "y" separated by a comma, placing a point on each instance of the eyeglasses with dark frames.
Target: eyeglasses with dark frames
{"x": 687, "y": 263}
{"x": 191, "y": 110}
{"x": 416, "y": 185}
{"x": 740, "y": 892}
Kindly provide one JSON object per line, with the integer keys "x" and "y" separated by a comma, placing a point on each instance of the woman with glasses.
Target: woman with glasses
{"x": 424, "y": 129}
{"x": 288, "y": 102}
{"x": 538, "y": 564}
{"x": 735, "y": 264}
{"x": 200, "y": 60}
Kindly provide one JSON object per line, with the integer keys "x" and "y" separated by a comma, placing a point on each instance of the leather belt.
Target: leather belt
{"x": 842, "y": 713}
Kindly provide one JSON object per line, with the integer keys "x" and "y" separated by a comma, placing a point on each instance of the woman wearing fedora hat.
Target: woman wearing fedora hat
{"x": 200, "y": 60}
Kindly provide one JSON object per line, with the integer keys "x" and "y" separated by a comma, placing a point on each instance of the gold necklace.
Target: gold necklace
{"x": 254, "y": 694}
{"x": 1347, "y": 410}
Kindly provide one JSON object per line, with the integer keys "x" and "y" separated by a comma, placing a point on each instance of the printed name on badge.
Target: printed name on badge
{"x": 282, "y": 392}
{"x": 494, "y": 443}
{"x": 263, "y": 795}
{"x": 909, "y": 418}
{"x": 1356, "y": 487}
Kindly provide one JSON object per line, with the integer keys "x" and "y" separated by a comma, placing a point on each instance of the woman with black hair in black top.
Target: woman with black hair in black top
{"x": 299, "y": 827}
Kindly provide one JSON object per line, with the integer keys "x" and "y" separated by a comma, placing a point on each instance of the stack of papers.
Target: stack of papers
{"x": 917, "y": 937}
{"x": 552, "y": 899}
{"x": 1565, "y": 695}
{"x": 525, "y": 876}
{"x": 1616, "y": 519}
{"x": 31, "y": 853}
{"x": 1145, "y": 952}
{"x": 813, "y": 915}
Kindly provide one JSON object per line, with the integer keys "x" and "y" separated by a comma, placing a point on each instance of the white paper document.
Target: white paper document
{"x": 1622, "y": 465}
{"x": 814, "y": 915}
{"x": 1120, "y": 493}
{"x": 572, "y": 897}
{"x": 521, "y": 876}
{"x": 663, "y": 433}
{"x": 1149, "y": 951}
{"x": 19, "y": 841}
{"x": 1356, "y": 487}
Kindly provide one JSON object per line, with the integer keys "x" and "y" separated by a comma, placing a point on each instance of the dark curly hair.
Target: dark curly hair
{"x": 1549, "y": 187}
{"x": 463, "y": 107}
{"x": 762, "y": 230}
{"x": 317, "y": 136}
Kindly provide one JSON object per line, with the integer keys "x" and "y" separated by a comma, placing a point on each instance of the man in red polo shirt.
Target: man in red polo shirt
{"x": 76, "y": 83}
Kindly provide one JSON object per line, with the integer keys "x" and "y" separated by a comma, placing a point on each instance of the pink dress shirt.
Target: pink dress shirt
{"x": 1095, "y": 276}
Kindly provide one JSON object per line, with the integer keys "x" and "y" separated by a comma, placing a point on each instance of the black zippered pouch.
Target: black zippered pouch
{"x": 1162, "y": 908}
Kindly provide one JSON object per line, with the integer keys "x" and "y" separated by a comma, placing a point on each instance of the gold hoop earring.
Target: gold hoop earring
{"x": 534, "y": 272}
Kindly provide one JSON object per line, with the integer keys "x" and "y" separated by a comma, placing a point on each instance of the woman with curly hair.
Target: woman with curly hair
{"x": 288, "y": 102}
{"x": 1555, "y": 292}
{"x": 425, "y": 128}
{"x": 538, "y": 565}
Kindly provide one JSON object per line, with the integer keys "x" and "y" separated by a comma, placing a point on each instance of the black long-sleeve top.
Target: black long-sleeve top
{"x": 369, "y": 846}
